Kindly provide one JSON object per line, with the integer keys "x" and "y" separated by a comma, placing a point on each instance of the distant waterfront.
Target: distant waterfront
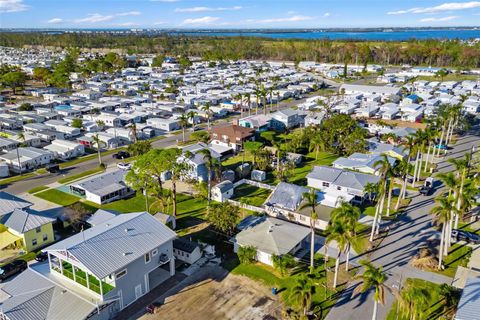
{"x": 394, "y": 35}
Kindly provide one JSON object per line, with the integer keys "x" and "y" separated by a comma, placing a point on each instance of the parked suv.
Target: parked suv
{"x": 461, "y": 235}
{"x": 12, "y": 269}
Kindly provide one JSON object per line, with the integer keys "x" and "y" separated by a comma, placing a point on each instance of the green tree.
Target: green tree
{"x": 253, "y": 147}
{"x": 26, "y": 107}
{"x": 178, "y": 170}
{"x": 283, "y": 262}
{"x": 224, "y": 217}
{"x": 14, "y": 80}
{"x": 77, "y": 123}
{"x": 158, "y": 61}
{"x": 98, "y": 143}
{"x": 41, "y": 74}
{"x": 442, "y": 213}
{"x": 140, "y": 147}
{"x": 302, "y": 292}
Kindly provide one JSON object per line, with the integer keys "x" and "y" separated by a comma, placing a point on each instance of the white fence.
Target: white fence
{"x": 246, "y": 206}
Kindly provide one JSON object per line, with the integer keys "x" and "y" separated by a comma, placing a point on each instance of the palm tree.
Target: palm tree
{"x": 248, "y": 95}
{"x": 133, "y": 131}
{"x": 371, "y": 189}
{"x": 100, "y": 123}
{"x": 21, "y": 137}
{"x": 212, "y": 164}
{"x": 310, "y": 199}
{"x": 317, "y": 143}
{"x": 384, "y": 167}
{"x": 303, "y": 292}
{"x": 419, "y": 137}
{"x": 442, "y": 215}
{"x": 461, "y": 166}
{"x": 343, "y": 235}
{"x": 450, "y": 181}
{"x": 413, "y": 301}
{"x": 375, "y": 278}
{"x": 403, "y": 168}
{"x": 98, "y": 143}
{"x": 183, "y": 123}
{"x": 207, "y": 110}
{"x": 191, "y": 116}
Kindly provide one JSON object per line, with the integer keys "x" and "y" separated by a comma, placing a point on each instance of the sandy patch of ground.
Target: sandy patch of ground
{"x": 219, "y": 296}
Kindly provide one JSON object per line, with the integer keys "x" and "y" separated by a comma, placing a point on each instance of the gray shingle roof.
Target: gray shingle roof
{"x": 22, "y": 221}
{"x": 33, "y": 297}
{"x": 104, "y": 183}
{"x": 287, "y": 195}
{"x": 115, "y": 243}
{"x": 272, "y": 236}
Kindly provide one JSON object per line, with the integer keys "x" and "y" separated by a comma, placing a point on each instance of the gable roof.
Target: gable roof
{"x": 287, "y": 195}
{"x": 233, "y": 131}
{"x": 101, "y": 216}
{"x": 31, "y": 296}
{"x": 9, "y": 202}
{"x": 272, "y": 236}
{"x": 104, "y": 183}
{"x": 113, "y": 244}
{"x": 22, "y": 220}
{"x": 342, "y": 178}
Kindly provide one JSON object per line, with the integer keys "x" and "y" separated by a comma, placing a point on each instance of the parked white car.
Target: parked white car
{"x": 124, "y": 166}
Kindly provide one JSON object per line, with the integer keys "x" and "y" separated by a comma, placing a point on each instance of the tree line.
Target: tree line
{"x": 453, "y": 53}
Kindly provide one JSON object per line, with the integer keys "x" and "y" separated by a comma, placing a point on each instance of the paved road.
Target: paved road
{"x": 401, "y": 244}
{"x": 169, "y": 141}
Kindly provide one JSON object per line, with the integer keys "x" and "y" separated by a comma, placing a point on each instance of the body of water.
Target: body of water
{"x": 395, "y": 35}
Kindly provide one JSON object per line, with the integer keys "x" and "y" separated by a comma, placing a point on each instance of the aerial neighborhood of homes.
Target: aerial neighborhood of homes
{"x": 119, "y": 257}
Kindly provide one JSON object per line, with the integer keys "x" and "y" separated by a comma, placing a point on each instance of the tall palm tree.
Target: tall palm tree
{"x": 403, "y": 168}
{"x": 183, "y": 123}
{"x": 21, "y": 137}
{"x": 303, "y": 292}
{"x": 208, "y": 112}
{"x": 419, "y": 136}
{"x": 375, "y": 278}
{"x": 212, "y": 165}
{"x": 310, "y": 199}
{"x": 347, "y": 216}
{"x": 384, "y": 167}
{"x": 98, "y": 143}
{"x": 317, "y": 143}
{"x": 442, "y": 214}
{"x": 100, "y": 123}
{"x": 133, "y": 131}
{"x": 371, "y": 189}
{"x": 452, "y": 185}
{"x": 191, "y": 116}
{"x": 461, "y": 166}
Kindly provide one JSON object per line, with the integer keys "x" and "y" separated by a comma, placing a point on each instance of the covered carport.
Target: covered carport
{"x": 158, "y": 276}
{"x": 10, "y": 245}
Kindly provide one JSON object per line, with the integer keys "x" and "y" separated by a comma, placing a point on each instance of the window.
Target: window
{"x": 147, "y": 257}
{"x": 38, "y": 229}
{"x": 45, "y": 237}
{"x": 155, "y": 252}
{"x": 34, "y": 242}
{"x": 188, "y": 255}
{"x": 339, "y": 188}
{"x": 325, "y": 184}
{"x": 120, "y": 274}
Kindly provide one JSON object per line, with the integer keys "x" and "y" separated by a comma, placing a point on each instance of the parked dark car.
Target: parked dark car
{"x": 461, "y": 235}
{"x": 12, "y": 269}
{"x": 121, "y": 155}
{"x": 426, "y": 191}
{"x": 53, "y": 168}
{"x": 42, "y": 256}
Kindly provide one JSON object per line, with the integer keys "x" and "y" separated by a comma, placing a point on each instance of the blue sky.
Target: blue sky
{"x": 236, "y": 13}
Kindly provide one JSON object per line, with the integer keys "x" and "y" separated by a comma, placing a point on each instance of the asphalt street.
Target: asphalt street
{"x": 405, "y": 236}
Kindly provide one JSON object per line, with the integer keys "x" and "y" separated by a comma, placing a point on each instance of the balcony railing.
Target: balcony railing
{"x": 81, "y": 278}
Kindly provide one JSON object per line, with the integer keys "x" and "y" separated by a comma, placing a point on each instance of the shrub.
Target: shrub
{"x": 247, "y": 254}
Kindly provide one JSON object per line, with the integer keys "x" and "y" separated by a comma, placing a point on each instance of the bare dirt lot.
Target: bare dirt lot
{"x": 218, "y": 295}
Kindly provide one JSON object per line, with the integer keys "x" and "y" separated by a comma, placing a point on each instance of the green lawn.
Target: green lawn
{"x": 37, "y": 189}
{"x": 87, "y": 158}
{"x": 437, "y": 308}
{"x": 58, "y": 197}
{"x": 458, "y": 255}
{"x": 322, "y": 300}
{"x": 251, "y": 195}
{"x": 80, "y": 175}
{"x": 17, "y": 178}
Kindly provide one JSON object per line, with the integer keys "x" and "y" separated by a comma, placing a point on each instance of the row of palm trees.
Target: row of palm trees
{"x": 461, "y": 189}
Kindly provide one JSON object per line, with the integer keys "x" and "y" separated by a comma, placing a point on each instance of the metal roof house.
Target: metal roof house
{"x": 118, "y": 260}
{"x": 361, "y": 162}
{"x": 32, "y": 296}
{"x": 271, "y": 236}
{"x": 339, "y": 185}
{"x": 469, "y": 304}
{"x": 103, "y": 188}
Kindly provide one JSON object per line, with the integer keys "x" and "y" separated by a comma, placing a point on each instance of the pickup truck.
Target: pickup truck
{"x": 12, "y": 269}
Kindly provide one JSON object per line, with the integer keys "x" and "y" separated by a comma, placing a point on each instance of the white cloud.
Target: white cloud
{"x": 130, "y": 13}
{"x": 451, "y": 6}
{"x": 201, "y": 21}
{"x": 94, "y": 17}
{"x": 97, "y": 17}
{"x": 127, "y": 24}
{"x": 287, "y": 19}
{"x": 12, "y": 6}
{"x": 207, "y": 9}
{"x": 326, "y": 14}
{"x": 439, "y": 19}
{"x": 55, "y": 20}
